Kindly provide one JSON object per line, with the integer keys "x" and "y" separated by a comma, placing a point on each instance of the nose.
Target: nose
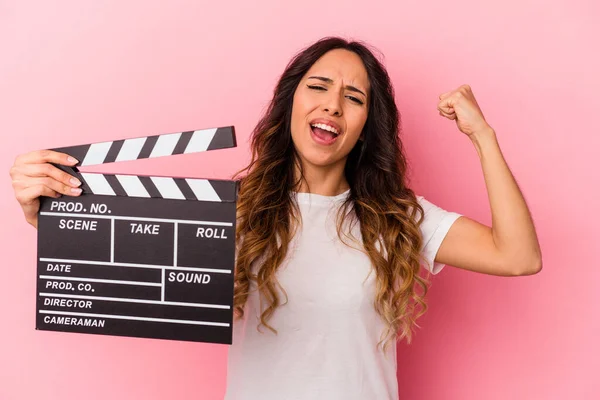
{"x": 332, "y": 104}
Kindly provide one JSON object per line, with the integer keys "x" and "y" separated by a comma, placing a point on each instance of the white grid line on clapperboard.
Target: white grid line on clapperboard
{"x": 133, "y": 318}
{"x": 141, "y": 301}
{"x": 112, "y": 240}
{"x": 127, "y": 218}
{"x": 134, "y": 265}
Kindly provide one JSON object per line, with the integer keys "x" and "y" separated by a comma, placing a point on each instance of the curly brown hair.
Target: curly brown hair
{"x": 379, "y": 200}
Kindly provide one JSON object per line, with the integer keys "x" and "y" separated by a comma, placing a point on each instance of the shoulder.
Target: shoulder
{"x": 434, "y": 213}
{"x": 434, "y": 227}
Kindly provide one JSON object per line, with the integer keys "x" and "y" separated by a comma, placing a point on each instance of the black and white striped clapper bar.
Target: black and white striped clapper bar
{"x": 140, "y": 256}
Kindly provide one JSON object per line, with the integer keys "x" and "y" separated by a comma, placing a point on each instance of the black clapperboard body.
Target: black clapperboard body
{"x": 140, "y": 256}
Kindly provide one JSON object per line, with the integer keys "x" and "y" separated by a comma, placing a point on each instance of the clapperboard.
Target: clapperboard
{"x": 140, "y": 256}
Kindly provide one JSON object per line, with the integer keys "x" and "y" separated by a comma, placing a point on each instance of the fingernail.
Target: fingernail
{"x": 72, "y": 160}
{"x": 75, "y": 181}
{"x": 75, "y": 190}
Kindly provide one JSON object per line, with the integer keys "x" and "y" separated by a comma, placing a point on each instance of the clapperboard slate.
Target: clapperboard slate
{"x": 140, "y": 256}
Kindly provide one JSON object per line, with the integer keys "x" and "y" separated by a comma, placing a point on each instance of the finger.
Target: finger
{"x": 46, "y": 156}
{"x": 31, "y": 194}
{"x": 444, "y": 95}
{"x": 451, "y": 116}
{"x": 51, "y": 183}
{"x": 22, "y": 172}
{"x": 445, "y": 107}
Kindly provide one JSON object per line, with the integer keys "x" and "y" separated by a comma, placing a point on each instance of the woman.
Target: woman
{"x": 330, "y": 238}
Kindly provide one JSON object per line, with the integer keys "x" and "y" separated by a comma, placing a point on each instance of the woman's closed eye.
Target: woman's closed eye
{"x": 355, "y": 99}
{"x": 352, "y": 98}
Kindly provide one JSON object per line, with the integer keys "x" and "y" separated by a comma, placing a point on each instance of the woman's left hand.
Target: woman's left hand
{"x": 460, "y": 105}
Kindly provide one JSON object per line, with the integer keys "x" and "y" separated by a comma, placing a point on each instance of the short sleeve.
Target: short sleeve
{"x": 435, "y": 226}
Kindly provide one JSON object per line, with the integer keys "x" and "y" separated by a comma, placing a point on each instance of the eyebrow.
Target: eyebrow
{"x": 330, "y": 81}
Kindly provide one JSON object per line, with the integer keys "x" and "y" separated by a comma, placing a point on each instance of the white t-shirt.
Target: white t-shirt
{"x": 326, "y": 345}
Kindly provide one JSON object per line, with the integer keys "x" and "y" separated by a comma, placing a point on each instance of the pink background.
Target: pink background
{"x": 82, "y": 71}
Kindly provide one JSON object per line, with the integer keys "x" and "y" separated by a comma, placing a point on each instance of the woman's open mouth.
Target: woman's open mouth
{"x": 323, "y": 134}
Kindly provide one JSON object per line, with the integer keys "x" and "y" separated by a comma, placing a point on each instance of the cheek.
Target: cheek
{"x": 356, "y": 123}
{"x": 301, "y": 108}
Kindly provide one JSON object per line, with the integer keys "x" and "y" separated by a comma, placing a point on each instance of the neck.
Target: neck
{"x": 327, "y": 181}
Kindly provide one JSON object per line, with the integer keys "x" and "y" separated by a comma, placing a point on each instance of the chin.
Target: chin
{"x": 318, "y": 160}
